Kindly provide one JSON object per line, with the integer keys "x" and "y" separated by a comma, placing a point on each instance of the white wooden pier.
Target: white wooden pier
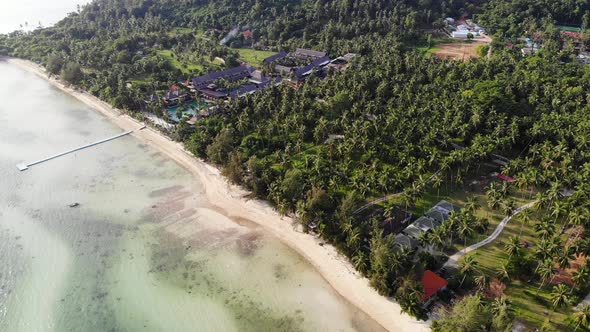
{"x": 25, "y": 166}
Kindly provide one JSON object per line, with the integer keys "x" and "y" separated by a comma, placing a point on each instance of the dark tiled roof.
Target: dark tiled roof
{"x": 274, "y": 58}
{"x": 213, "y": 93}
{"x": 321, "y": 61}
{"x": 443, "y": 206}
{"x": 404, "y": 240}
{"x": 232, "y": 74}
{"x": 310, "y": 53}
{"x": 413, "y": 231}
{"x": 426, "y": 223}
{"x": 250, "y": 88}
{"x": 437, "y": 215}
{"x": 304, "y": 71}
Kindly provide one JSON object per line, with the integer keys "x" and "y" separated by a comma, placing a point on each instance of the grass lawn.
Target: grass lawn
{"x": 427, "y": 51}
{"x": 531, "y": 305}
{"x": 253, "y": 57}
{"x": 184, "y": 67}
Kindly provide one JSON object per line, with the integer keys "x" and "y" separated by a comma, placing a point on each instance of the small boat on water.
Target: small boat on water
{"x": 73, "y": 205}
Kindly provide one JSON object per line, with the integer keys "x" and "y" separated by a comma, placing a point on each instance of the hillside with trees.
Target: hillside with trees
{"x": 396, "y": 123}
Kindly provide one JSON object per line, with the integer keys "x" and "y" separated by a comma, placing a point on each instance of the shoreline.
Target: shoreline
{"x": 333, "y": 267}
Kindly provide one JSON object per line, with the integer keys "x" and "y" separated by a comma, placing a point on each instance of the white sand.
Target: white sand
{"x": 334, "y": 267}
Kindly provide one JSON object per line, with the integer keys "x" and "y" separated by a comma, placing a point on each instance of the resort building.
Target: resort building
{"x": 437, "y": 215}
{"x": 174, "y": 96}
{"x": 405, "y": 241}
{"x": 296, "y": 66}
{"x": 229, "y": 75}
{"x": 426, "y": 224}
{"x": 398, "y": 219}
{"x": 432, "y": 219}
{"x": 414, "y": 232}
{"x": 432, "y": 283}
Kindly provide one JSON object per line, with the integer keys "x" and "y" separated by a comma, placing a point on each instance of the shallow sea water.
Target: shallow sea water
{"x": 145, "y": 250}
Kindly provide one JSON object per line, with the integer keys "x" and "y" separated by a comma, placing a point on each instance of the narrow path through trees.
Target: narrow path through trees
{"x": 453, "y": 259}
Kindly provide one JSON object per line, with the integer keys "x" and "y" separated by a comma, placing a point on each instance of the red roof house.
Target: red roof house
{"x": 432, "y": 283}
{"x": 506, "y": 178}
{"x": 247, "y": 33}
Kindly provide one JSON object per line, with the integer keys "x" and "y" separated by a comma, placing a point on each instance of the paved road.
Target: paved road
{"x": 453, "y": 259}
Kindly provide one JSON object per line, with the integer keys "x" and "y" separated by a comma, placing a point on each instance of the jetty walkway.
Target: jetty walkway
{"x": 25, "y": 166}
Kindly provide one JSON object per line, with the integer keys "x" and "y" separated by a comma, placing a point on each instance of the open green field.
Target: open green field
{"x": 184, "y": 67}
{"x": 253, "y": 57}
{"x": 531, "y": 304}
{"x": 569, "y": 28}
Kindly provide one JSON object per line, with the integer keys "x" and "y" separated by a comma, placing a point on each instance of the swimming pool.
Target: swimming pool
{"x": 192, "y": 108}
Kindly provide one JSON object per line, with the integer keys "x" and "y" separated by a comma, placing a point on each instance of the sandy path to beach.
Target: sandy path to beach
{"x": 334, "y": 267}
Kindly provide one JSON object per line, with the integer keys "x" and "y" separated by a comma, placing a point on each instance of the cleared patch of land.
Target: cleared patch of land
{"x": 460, "y": 50}
{"x": 184, "y": 67}
{"x": 253, "y": 57}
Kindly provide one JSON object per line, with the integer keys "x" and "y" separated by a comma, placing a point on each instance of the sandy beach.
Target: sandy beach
{"x": 335, "y": 268}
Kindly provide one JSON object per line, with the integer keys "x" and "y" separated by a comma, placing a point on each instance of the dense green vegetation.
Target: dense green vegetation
{"x": 411, "y": 124}
{"x": 516, "y": 17}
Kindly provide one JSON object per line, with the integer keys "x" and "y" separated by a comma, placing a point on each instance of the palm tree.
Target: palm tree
{"x": 582, "y": 317}
{"x": 578, "y": 216}
{"x": 525, "y": 218}
{"x": 545, "y": 228}
{"x": 508, "y": 206}
{"x": 499, "y": 305}
{"x": 513, "y": 246}
{"x": 546, "y": 271}
{"x": 581, "y": 276}
{"x": 564, "y": 257}
{"x": 503, "y": 273}
{"x": 481, "y": 225}
{"x": 472, "y": 204}
{"x": 468, "y": 266}
{"x": 465, "y": 228}
{"x": 560, "y": 296}
{"x": 481, "y": 281}
{"x": 359, "y": 262}
{"x": 438, "y": 237}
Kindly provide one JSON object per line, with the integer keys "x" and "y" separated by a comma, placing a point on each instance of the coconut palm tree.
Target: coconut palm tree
{"x": 481, "y": 281}
{"x": 359, "y": 261}
{"x": 438, "y": 237}
{"x": 499, "y": 305}
{"x": 560, "y": 296}
{"x": 546, "y": 271}
{"x": 513, "y": 246}
{"x": 508, "y": 206}
{"x": 472, "y": 204}
{"x": 525, "y": 218}
{"x": 465, "y": 228}
{"x": 481, "y": 225}
{"x": 582, "y": 317}
{"x": 467, "y": 267}
{"x": 545, "y": 228}
{"x": 503, "y": 273}
{"x": 581, "y": 276}
{"x": 564, "y": 257}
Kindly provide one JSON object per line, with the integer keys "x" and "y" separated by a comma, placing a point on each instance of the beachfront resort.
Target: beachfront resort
{"x": 199, "y": 97}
